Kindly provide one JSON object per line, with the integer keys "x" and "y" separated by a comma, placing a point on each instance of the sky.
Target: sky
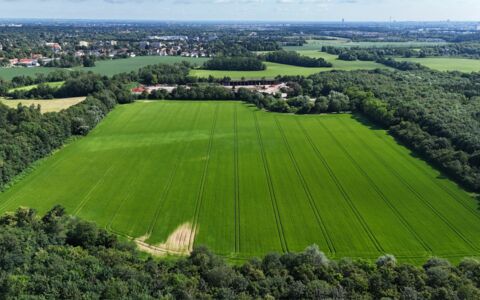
{"x": 269, "y": 10}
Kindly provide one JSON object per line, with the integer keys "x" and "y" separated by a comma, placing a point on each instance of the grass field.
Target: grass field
{"x": 447, "y": 63}
{"x": 30, "y": 87}
{"x": 274, "y": 69}
{"x": 318, "y": 44}
{"x": 53, "y": 105}
{"x": 105, "y": 67}
{"x": 246, "y": 182}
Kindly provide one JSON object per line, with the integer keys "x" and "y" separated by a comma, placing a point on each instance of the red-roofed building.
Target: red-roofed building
{"x": 28, "y": 62}
{"x": 138, "y": 90}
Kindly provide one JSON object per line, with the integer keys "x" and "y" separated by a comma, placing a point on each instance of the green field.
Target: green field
{"x": 105, "y": 67}
{"x": 274, "y": 69}
{"x": 30, "y": 87}
{"x": 248, "y": 182}
{"x": 447, "y": 63}
{"x": 340, "y": 42}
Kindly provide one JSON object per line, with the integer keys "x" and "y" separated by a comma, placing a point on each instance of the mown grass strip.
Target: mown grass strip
{"x": 204, "y": 178}
{"x": 345, "y": 195}
{"x": 310, "y": 198}
{"x": 236, "y": 180}
{"x": 168, "y": 186}
{"x": 87, "y": 197}
{"x": 378, "y": 191}
{"x": 447, "y": 190}
{"x": 271, "y": 190}
{"x": 416, "y": 194}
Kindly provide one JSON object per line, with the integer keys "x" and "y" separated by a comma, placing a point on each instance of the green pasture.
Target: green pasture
{"x": 247, "y": 182}
{"x": 340, "y": 42}
{"x": 273, "y": 69}
{"x": 447, "y": 63}
{"x": 30, "y": 87}
{"x": 105, "y": 67}
{"x": 112, "y": 67}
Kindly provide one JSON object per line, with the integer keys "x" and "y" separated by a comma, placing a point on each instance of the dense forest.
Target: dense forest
{"x": 295, "y": 59}
{"x": 56, "y": 256}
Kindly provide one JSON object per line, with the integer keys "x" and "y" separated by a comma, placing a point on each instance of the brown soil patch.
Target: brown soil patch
{"x": 177, "y": 243}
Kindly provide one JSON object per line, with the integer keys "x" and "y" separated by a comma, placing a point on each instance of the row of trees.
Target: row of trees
{"x": 70, "y": 61}
{"x": 379, "y": 55}
{"x": 469, "y": 50}
{"x": 234, "y": 64}
{"x": 82, "y": 85}
{"x": 59, "y": 257}
{"x": 53, "y": 76}
{"x": 295, "y": 59}
{"x": 401, "y": 65}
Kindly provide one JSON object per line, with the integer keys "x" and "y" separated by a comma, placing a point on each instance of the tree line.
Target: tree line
{"x": 234, "y": 63}
{"x": 295, "y": 59}
{"x": 61, "y": 257}
{"x": 467, "y": 50}
{"x": 379, "y": 55}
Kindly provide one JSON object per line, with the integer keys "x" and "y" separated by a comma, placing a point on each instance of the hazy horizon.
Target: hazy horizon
{"x": 244, "y": 10}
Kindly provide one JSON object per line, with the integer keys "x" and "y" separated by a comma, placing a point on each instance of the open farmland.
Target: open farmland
{"x": 105, "y": 67}
{"x": 346, "y": 43}
{"x": 50, "y": 105}
{"x": 274, "y": 69}
{"x": 246, "y": 182}
{"x": 447, "y": 63}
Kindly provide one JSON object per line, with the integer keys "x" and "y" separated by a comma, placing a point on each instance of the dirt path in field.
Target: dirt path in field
{"x": 176, "y": 243}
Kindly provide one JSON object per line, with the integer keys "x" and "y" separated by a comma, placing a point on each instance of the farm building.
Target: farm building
{"x": 28, "y": 62}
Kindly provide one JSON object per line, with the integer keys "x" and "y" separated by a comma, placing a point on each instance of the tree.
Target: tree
{"x": 89, "y": 61}
{"x": 321, "y": 104}
{"x": 338, "y": 102}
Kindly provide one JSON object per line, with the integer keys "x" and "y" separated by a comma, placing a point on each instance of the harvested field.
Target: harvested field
{"x": 51, "y": 105}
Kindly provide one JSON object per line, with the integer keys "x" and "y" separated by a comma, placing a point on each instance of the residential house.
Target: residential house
{"x": 28, "y": 62}
{"x": 54, "y": 46}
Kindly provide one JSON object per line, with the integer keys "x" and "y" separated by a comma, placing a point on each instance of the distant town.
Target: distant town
{"x": 172, "y": 45}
